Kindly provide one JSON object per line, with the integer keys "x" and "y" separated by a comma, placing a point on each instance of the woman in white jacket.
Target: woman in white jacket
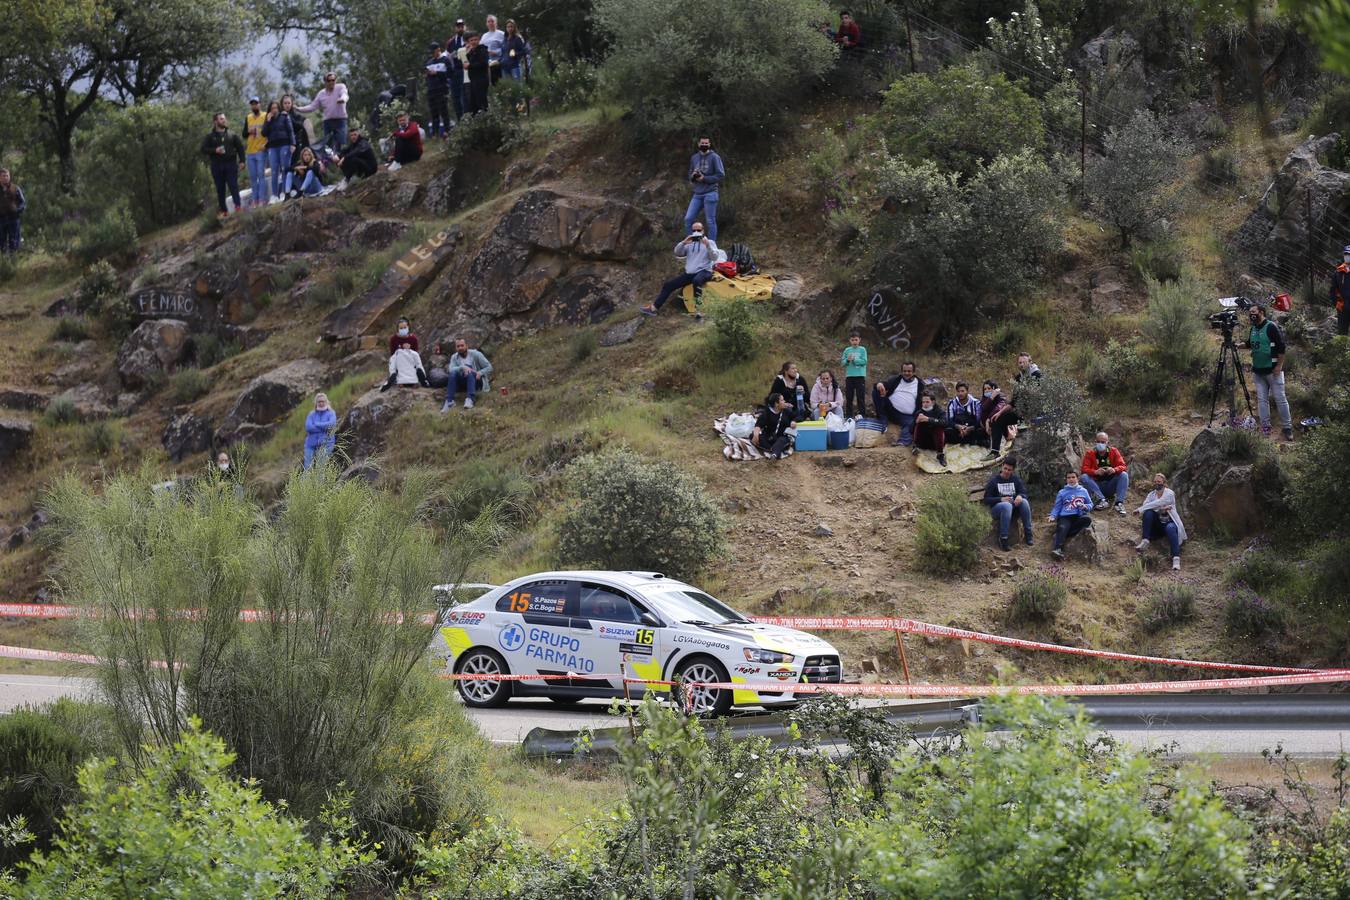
{"x": 405, "y": 368}
{"x": 1161, "y": 519}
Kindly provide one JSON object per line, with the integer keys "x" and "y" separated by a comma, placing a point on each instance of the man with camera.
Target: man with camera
{"x": 705, "y": 176}
{"x": 1266, "y": 341}
{"x": 698, "y": 253}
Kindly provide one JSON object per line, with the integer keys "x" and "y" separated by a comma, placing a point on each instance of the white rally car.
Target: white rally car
{"x": 586, "y": 625}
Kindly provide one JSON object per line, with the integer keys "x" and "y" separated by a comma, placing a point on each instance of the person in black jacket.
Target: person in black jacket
{"x": 930, "y": 429}
{"x": 770, "y": 432}
{"x": 790, "y": 384}
{"x": 297, "y": 128}
{"x": 357, "y": 159}
{"x": 452, "y": 47}
{"x": 280, "y": 134}
{"x": 1006, "y": 496}
{"x": 513, "y": 52}
{"x": 476, "y": 61}
{"x": 224, "y": 152}
{"x": 438, "y": 93}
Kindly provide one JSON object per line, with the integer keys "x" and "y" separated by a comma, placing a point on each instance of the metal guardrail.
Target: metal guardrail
{"x": 928, "y": 719}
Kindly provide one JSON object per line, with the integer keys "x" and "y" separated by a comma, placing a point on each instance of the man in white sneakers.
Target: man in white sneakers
{"x": 468, "y": 370}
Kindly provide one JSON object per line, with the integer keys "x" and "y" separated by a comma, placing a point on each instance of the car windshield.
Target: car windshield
{"x": 697, "y": 608}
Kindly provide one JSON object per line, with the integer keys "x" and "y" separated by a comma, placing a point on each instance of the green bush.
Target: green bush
{"x": 212, "y": 348}
{"x": 1173, "y": 455}
{"x": 71, "y": 329}
{"x": 1163, "y": 259}
{"x": 61, "y": 411}
{"x": 112, "y": 237}
{"x": 483, "y": 486}
{"x": 960, "y": 118}
{"x": 1028, "y": 49}
{"x": 1133, "y": 186}
{"x": 1220, "y": 167}
{"x": 1059, "y": 409}
{"x": 949, "y": 528}
{"x": 1175, "y": 326}
{"x": 571, "y": 84}
{"x": 98, "y": 287}
{"x": 582, "y": 346}
{"x": 9, "y": 267}
{"x": 1038, "y": 597}
{"x": 41, "y": 751}
{"x": 498, "y": 130}
{"x": 1328, "y": 598}
{"x": 189, "y": 384}
{"x": 1247, "y": 614}
{"x": 1125, "y": 370}
{"x": 1168, "y": 605}
{"x": 736, "y": 330}
{"x": 1318, "y": 498}
{"x": 182, "y": 827}
{"x": 768, "y": 56}
{"x": 629, "y": 513}
{"x": 105, "y": 437}
{"x": 1259, "y": 569}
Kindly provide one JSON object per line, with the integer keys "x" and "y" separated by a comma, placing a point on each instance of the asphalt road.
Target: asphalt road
{"x": 510, "y": 724}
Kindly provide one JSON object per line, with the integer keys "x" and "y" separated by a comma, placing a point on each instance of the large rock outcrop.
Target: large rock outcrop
{"x": 186, "y": 434}
{"x": 361, "y": 433}
{"x": 158, "y": 345}
{"x": 1223, "y": 485}
{"x": 268, "y": 398}
{"x": 15, "y": 436}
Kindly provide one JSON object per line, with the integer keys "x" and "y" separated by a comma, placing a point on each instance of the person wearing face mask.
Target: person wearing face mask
{"x": 319, "y": 427}
{"x": 930, "y": 428}
{"x": 1340, "y": 292}
{"x": 1006, "y": 496}
{"x": 1104, "y": 470}
{"x": 826, "y": 397}
{"x": 223, "y": 462}
{"x": 998, "y": 419}
{"x": 963, "y": 417}
{"x": 405, "y": 369}
{"x": 1070, "y": 514}
{"x": 706, "y": 174}
{"x": 897, "y": 400}
{"x": 403, "y": 334}
{"x": 1161, "y": 520}
{"x": 770, "y": 432}
{"x": 699, "y": 254}
{"x": 790, "y": 384}
{"x": 1266, "y": 341}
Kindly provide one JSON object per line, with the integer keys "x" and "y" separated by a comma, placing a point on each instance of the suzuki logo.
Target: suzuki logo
{"x": 511, "y": 638}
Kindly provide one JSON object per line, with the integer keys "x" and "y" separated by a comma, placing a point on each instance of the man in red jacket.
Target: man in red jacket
{"x": 1340, "y": 293}
{"x": 407, "y": 141}
{"x": 849, "y": 35}
{"x": 1104, "y": 469}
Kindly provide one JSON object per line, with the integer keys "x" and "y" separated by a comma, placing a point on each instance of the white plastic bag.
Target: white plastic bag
{"x": 835, "y": 422}
{"x": 852, "y": 427}
{"x": 740, "y": 425}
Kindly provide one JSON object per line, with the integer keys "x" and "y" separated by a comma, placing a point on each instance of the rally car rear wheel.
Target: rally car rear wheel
{"x": 482, "y": 692}
{"x": 702, "y": 701}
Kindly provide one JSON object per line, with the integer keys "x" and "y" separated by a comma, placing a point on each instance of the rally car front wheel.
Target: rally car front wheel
{"x": 703, "y": 701}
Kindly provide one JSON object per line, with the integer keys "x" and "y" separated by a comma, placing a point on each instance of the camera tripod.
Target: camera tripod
{"x": 1224, "y": 378}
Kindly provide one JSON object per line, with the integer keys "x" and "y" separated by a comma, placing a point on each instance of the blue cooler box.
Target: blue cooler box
{"x": 813, "y": 437}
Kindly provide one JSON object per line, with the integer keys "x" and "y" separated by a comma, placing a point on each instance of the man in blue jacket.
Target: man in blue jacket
{"x": 698, "y": 254}
{"x": 452, "y": 47}
{"x": 1070, "y": 514}
{"x": 705, "y": 176}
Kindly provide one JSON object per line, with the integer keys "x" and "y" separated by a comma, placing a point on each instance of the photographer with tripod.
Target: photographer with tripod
{"x": 1266, "y": 341}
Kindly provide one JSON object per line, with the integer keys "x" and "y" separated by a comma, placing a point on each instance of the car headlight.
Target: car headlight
{"x": 766, "y": 656}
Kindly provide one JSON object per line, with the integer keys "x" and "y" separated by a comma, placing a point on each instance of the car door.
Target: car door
{"x": 532, "y": 627}
{"x": 611, "y": 626}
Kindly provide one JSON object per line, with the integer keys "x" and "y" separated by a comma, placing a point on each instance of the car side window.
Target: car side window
{"x": 606, "y": 604}
{"x": 546, "y": 598}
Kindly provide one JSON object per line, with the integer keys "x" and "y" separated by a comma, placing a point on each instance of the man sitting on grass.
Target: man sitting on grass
{"x": 698, "y": 253}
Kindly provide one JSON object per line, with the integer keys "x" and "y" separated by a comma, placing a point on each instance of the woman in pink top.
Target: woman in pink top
{"x": 332, "y": 103}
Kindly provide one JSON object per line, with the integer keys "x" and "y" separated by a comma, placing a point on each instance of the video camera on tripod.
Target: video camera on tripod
{"x": 1228, "y": 370}
{"x": 1226, "y": 319}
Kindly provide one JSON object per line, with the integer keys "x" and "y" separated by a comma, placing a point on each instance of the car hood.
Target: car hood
{"x": 773, "y": 637}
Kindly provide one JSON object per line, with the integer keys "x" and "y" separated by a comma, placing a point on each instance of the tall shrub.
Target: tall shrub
{"x": 949, "y": 528}
{"x": 630, "y": 513}
{"x": 152, "y": 148}
{"x": 1175, "y": 325}
{"x": 1055, "y": 403}
{"x": 1135, "y": 185}
{"x": 1029, "y": 49}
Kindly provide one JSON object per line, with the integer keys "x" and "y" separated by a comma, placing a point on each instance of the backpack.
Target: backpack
{"x": 745, "y": 263}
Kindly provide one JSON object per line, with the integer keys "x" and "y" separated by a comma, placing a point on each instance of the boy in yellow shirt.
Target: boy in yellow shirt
{"x": 255, "y": 153}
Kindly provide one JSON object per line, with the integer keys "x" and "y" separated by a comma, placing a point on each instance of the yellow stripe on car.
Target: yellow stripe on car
{"x": 456, "y": 639}
{"x": 740, "y": 697}
{"x": 650, "y": 671}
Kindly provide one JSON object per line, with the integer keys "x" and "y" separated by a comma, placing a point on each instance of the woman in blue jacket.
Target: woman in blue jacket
{"x": 319, "y": 427}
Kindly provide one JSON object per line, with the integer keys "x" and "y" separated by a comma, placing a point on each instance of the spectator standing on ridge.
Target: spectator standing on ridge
{"x": 12, "y": 205}
{"x": 469, "y": 371}
{"x": 998, "y": 419}
{"x": 1161, "y": 519}
{"x": 1104, "y": 470}
{"x": 1266, "y": 341}
{"x": 405, "y": 368}
{"x": 475, "y": 74}
{"x": 1005, "y": 495}
{"x": 280, "y": 134}
{"x": 930, "y": 429}
{"x": 1070, "y": 514}
{"x": 493, "y": 39}
{"x": 706, "y": 174}
{"x": 770, "y": 431}
{"x": 826, "y": 397}
{"x": 331, "y": 102}
{"x": 438, "y": 93}
{"x": 513, "y": 52}
{"x": 255, "y": 152}
{"x": 406, "y": 144}
{"x": 790, "y": 383}
{"x": 457, "y": 77}
{"x": 224, "y": 152}
{"x": 897, "y": 400}
{"x": 854, "y": 361}
{"x": 357, "y": 159}
{"x": 403, "y": 334}
{"x": 319, "y": 427}
{"x": 963, "y": 417}
{"x": 698, "y": 254}
{"x": 1340, "y": 292}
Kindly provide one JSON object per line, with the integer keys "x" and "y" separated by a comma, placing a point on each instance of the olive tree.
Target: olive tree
{"x": 1135, "y": 185}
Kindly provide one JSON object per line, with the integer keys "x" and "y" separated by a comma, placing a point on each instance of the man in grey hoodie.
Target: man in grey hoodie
{"x": 699, "y": 253}
{"x": 469, "y": 370}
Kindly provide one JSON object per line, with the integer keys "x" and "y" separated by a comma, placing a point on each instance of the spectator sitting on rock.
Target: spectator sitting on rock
{"x": 1161, "y": 519}
{"x": 826, "y": 397}
{"x": 307, "y": 175}
{"x": 998, "y": 419}
{"x": 930, "y": 429}
{"x": 1070, "y": 514}
{"x": 319, "y": 427}
{"x": 469, "y": 371}
{"x": 357, "y": 159}
{"x": 897, "y": 400}
{"x": 792, "y": 386}
{"x": 1005, "y": 495}
{"x": 403, "y": 334}
{"x": 770, "y": 432}
{"x": 963, "y": 417}
{"x": 406, "y": 142}
{"x": 12, "y": 206}
{"x": 1104, "y": 470}
{"x": 698, "y": 254}
{"x": 405, "y": 368}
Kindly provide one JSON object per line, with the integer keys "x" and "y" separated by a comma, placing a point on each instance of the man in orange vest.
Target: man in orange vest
{"x": 1340, "y": 293}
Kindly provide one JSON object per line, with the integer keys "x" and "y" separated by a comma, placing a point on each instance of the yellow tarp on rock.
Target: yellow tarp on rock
{"x": 960, "y": 458}
{"x": 751, "y": 287}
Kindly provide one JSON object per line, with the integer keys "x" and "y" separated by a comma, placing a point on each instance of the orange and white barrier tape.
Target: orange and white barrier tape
{"x": 57, "y": 655}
